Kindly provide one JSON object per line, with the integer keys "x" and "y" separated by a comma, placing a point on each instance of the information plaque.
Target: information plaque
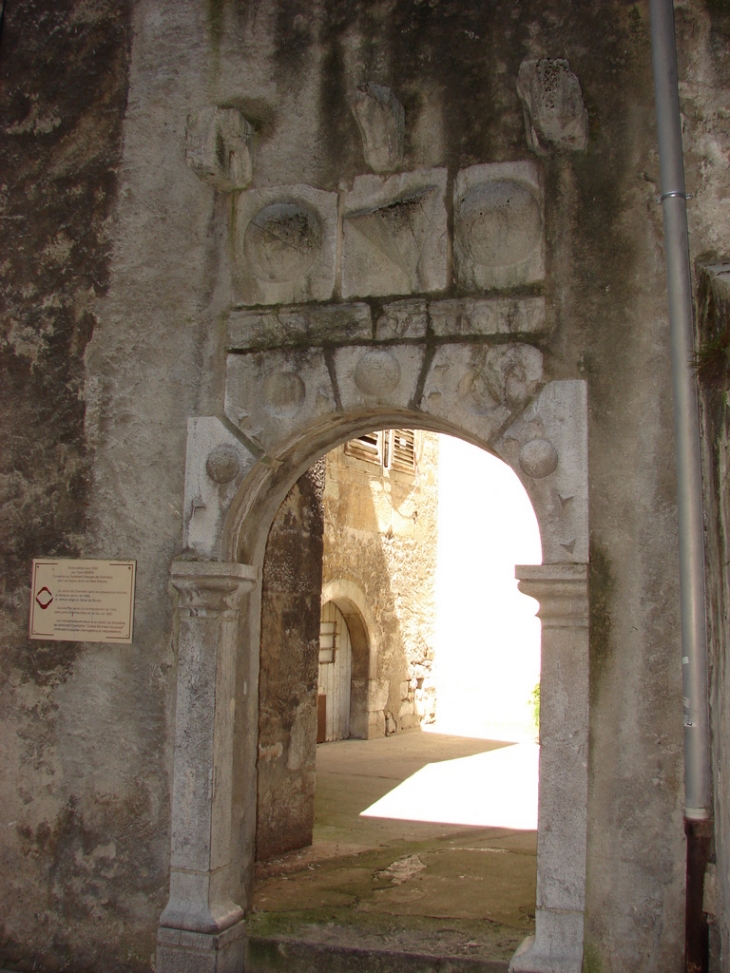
{"x": 82, "y": 601}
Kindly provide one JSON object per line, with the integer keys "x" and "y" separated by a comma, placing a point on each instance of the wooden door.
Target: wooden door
{"x": 335, "y": 672}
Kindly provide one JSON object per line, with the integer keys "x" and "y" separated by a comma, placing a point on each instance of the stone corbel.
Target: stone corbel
{"x": 557, "y": 946}
{"x": 218, "y": 147}
{"x": 201, "y": 923}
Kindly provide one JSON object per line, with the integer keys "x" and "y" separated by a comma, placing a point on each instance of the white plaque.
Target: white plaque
{"x": 82, "y": 601}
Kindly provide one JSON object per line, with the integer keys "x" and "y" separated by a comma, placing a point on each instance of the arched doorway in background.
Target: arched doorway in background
{"x": 334, "y": 676}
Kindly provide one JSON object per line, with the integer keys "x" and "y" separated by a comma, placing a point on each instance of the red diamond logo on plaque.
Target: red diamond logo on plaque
{"x": 44, "y": 598}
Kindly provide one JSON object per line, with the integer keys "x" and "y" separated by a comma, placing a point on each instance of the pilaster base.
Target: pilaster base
{"x": 181, "y": 951}
{"x": 556, "y": 947}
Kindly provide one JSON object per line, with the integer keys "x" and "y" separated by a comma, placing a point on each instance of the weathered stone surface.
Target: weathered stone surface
{"x": 218, "y": 147}
{"x": 215, "y": 464}
{"x": 302, "y": 325}
{"x": 368, "y": 376}
{"x": 552, "y": 102}
{"x": 270, "y": 396}
{"x": 472, "y": 317}
{"x": 395, "y": 236}
{"x": 210, "y": 597}
{"x": 498, "y": 226}
{"x": 292, "y": 583}
{"x": 483, "y": 385}
{"x": 382, "y": 123}
{"x": 402, "y": 319}
{"x": 284, "y": 245}
{"x": 562, "y": 591}
{"x": 548, "y": 447}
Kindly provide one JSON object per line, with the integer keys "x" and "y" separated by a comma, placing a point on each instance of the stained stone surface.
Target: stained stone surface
{"x": 402, "y": 319}
{"x": 302, "y": 324}
{"x": 487, "y": 316}
{"x": 215, "y": 464}
{"x": 554, "y": 426}
{"x": 284, "y": 245}
{"x": 219, "y": 147}
{"x": 366, "y": 376}
{"x": 395, "y": 235}
{"x": 381, "y": 120}
{"x": 484, "y": 386}
{"x": 498, "y": 226}
{"x": 270, "y": 395}
{"x": 552, "y": 103}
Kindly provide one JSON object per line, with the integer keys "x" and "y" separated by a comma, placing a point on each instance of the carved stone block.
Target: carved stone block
{"x": 552, "y": 104}
{"x": 498, "y": 226}
{"x": 548, "y": 448}
{"x": 402, "y": 319}
{"x": 381, "y": 120}
{"x": 285, "y": 242}
{"x": 469, "y": 317}
{"x": 369, "y": 375}
{"x": 482, "y": 386}
{"x": 218, "y": 147}
{"x": 303, "y": 325}
{"x": 395, "y": 235}
{"x": 215, "y": 465}
{"x": 271, "y": 395}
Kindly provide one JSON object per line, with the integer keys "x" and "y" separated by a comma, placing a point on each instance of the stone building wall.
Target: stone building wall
{"x": 290, "y": 608}
{"x": 380, "y": 534}
{"x": 117, "y": 291}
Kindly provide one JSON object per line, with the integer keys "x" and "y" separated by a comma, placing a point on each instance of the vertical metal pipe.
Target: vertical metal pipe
{"x": 689, "y": 482}
{"x": 686, "y": 417}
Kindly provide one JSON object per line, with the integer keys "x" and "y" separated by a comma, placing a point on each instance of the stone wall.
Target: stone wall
{"x": 80, "y": 844}
{"x": 290, "y": 604}
{"x": 380, "y": 535}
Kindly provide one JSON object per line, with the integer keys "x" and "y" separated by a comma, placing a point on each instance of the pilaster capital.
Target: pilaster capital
{"x": 212, "y": 585}
{"x": 561, "y": 589}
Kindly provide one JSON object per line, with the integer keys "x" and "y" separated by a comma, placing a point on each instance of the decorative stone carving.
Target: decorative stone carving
{"x": 402, "y": 319}
{"x": 284, "y": 393}
{"x": 498, "y": 226}
{"x": 377, "y": 373}
{"x": 269, "y": 395}
{"x": 562, "y": 591}
{"x": 552, "y": 104}
{"x": 369, "y": 375}
{"x": 215, "y": 465}
{"x": 538, "y": 458}
{"x": 471, "y": 317}
{"x": 484, "y": 386}
{"x": 306, "y": 324}
{"x": 223, "y": 464}
{"x": 559, "y": 416}
{"x": 218, "y": 147}
{"x": 395, "y": 236}
{"x": 284, "y": 245}
{"x": 200, "y": 909}
{"x": 382, "y": 123}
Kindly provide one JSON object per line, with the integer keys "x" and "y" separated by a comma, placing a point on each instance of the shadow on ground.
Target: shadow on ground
{"x": 383, "y": 894}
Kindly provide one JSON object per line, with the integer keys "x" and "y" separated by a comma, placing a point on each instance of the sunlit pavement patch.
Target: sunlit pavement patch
{"x": 497, "y": 789}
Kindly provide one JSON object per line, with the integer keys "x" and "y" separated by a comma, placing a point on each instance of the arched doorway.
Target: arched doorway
{"x": 334, "y": 677}
{"x": 542, "y": 435}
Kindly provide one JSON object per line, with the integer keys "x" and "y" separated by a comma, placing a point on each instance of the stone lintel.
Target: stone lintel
{"x": 342, "y": 324}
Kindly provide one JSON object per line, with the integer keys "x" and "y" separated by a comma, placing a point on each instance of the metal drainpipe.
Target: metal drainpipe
{"x": 697, "y": 811}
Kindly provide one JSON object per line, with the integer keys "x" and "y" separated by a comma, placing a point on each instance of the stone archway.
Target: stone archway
{"x": 231, "y": 497}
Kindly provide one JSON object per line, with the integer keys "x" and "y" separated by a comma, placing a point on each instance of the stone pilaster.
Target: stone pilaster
{"x": 201, "y": 925}
{"x": 562, "y": 591}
